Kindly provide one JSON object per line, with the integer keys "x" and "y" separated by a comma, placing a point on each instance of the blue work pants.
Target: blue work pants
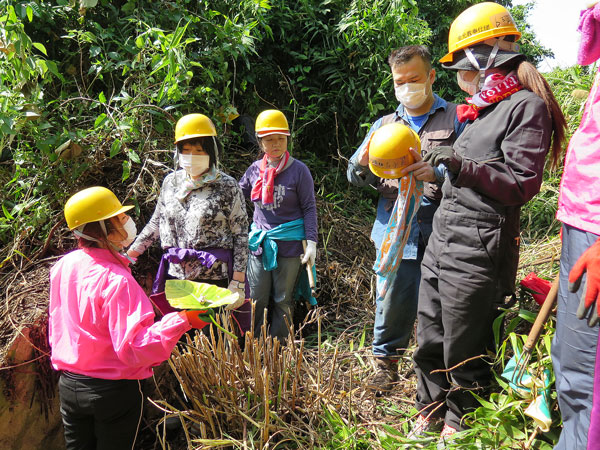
{"x": 574, "y": 349}
{"x": 395, "y": 314}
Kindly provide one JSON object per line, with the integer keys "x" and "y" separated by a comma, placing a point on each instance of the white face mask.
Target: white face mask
{"x": 131, "y": 231}
{"x": 470, "y": 87}
{"x": 194, "y": 165}
{"x": 411, "y": 95}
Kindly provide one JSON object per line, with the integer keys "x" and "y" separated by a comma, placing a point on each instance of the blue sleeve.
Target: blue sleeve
{"x": 459, "y": 126}
{"x": 440, "y": 173}
{"x": 361, "y": 175}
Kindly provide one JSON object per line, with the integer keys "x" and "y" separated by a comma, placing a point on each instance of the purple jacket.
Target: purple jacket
{"x": 293, "y": 198}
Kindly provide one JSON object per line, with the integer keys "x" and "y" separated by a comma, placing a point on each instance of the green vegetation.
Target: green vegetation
{"x": 92, "y": 85}
{"x": 90, "y": 91}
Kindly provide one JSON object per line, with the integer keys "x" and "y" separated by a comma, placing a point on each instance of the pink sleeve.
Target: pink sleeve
{"x": 139, "y": 341}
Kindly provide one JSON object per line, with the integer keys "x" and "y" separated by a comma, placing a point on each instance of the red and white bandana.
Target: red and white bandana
{"x": 496, "y": 88}
{"x": 265, "y": 183}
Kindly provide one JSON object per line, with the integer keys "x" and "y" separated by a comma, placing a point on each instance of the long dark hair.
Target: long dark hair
{"x": 534, "y": 81}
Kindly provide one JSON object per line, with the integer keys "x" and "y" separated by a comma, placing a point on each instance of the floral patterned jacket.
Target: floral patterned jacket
{"x": 214, "y": 215}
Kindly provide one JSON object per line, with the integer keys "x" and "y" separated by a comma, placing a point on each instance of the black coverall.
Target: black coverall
{"x": 471, "y": 261}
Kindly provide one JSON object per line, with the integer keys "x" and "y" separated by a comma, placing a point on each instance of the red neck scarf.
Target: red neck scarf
{"x": 263, "y": 188}
{"x": 496, "y": 88}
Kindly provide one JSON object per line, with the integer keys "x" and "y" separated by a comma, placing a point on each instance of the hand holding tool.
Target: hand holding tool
{"x": 310, "y": 252}
{"x": 309, "y": 263}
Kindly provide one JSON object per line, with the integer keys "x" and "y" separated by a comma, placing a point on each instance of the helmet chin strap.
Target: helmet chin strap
{"x": 79, "y": 233}
{"x": 490, "y": 61}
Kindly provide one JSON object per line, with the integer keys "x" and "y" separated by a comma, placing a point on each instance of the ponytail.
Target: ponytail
{"x": 532, "y": 80}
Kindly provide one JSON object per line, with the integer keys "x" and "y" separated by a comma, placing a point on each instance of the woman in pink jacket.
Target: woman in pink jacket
{"x": 575, "y": 348}
{"x": 102, "y": 332}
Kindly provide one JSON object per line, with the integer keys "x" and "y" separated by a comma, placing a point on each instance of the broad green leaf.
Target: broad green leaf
{"x": 95, "y": 51}
{"x": 185, "y": 294}
{"x": 115, "y": 147}
{"x": 40, "y": 47}
{"x": 134, "y": 157}
{"x": 102, "y": 97}
{"x": 30, "y": 14}
{"x": 52, "y": 67}
{"x": 100, "y": 120}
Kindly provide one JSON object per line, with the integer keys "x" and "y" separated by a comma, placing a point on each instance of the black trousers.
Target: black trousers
{"x": 458, "y": 299}
{"x": 99, "y": 414}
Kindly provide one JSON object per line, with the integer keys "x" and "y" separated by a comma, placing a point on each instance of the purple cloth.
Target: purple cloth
{"x": 207, "y": 257}
{"x": 594, "y": 430}
{"x": 293, "y": 198}
{"x": 177, "y": 255}
{"x": 589, "y": 27}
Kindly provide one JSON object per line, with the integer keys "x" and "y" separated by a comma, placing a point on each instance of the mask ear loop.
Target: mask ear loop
{"x": 103, "y": 226}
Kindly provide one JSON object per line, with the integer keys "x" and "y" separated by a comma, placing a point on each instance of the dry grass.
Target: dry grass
{"x": 269, "y": 394}
{"x": 265, "y": 394}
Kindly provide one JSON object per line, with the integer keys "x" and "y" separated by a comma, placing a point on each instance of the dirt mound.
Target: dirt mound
{"x": 29, "y": 407}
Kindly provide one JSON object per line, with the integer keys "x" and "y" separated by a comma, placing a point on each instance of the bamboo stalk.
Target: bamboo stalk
{"x": 265, "y": 430}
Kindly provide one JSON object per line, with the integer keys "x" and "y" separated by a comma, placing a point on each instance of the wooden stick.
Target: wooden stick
{"x": 536, "y": 329}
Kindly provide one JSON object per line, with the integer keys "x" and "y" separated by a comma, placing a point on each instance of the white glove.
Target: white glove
{"x": 310, "y": 253}
{"x": 239, "y": 288}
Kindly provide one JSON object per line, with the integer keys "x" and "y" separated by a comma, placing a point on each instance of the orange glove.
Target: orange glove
{"x": 588, "y": 262}
{"x": 195, "y": 317}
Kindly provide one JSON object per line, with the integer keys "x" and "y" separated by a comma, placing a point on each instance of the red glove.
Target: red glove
{"x": 195, "y": 317}
{"x": 588, "y": 263}
{"x": 538, "y": 287}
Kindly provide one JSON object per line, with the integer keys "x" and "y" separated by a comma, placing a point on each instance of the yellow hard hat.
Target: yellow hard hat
{"x": 92, "y": 204}
{"x": 477, "y": 24}
{"x": 388, "y": 149}
{"x": 193, "y": 126}
{"x": 271, "y": 121}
